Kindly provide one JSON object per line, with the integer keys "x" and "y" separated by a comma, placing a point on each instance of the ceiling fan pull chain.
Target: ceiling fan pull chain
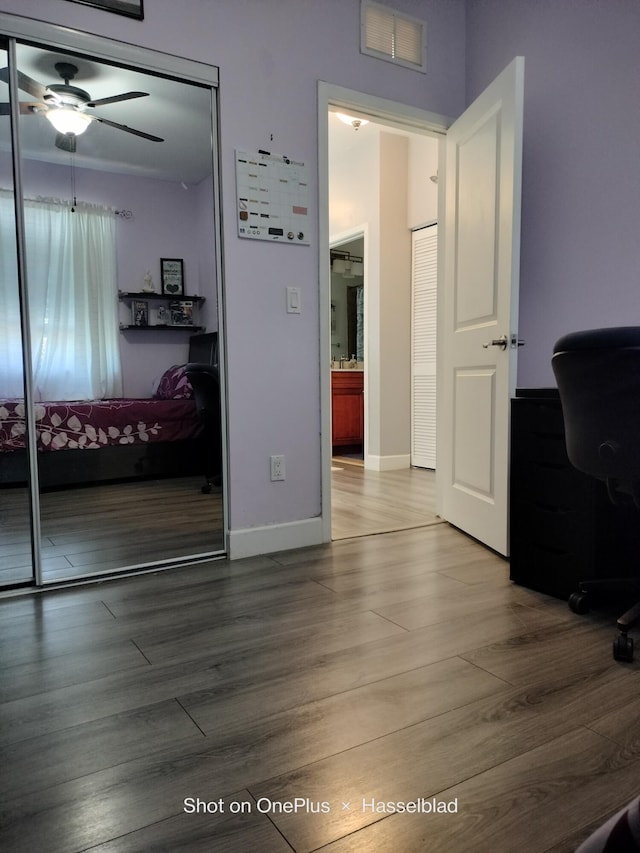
{"x": 73, "y": 184}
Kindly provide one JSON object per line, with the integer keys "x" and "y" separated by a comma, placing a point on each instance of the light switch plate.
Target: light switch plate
{"x": 293, "y": 300}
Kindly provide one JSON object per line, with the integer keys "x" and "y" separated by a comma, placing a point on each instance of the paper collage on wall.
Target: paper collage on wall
{"x": 272, "y": 198}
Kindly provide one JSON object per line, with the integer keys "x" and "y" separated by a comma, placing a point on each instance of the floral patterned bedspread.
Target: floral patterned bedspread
{"x": 90, "y": 425}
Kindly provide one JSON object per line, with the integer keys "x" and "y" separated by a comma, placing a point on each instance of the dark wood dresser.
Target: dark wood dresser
{"x": 563, "y": 527}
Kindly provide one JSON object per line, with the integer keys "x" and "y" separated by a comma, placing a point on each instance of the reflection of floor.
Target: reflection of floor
{"x": 364, "y": 502}
{"x": 101, "y": 529}
{"x": 107, "y": 528}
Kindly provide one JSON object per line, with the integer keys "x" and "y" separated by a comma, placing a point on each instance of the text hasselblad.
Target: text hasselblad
{"x": 304, "y": 805}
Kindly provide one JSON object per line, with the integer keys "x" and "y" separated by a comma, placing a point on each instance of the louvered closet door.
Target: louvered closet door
{"x": 423, "y": 347}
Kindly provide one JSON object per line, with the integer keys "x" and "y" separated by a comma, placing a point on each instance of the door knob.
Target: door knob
{"x": 497, "y": 342}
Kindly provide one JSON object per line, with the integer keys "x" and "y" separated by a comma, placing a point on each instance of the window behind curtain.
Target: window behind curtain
{"x": 71, "y": 273}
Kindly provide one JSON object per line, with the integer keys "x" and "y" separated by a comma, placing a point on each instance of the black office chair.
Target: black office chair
{"x": 598, "y": 376}
{"x": 205, "y": 381}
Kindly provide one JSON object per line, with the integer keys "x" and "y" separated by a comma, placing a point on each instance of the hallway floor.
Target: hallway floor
{"x": 364, "y": 502}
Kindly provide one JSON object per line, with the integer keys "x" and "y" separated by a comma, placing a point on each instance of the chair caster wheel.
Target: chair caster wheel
{"x": 623, "y": 648}
{"x": 579, "y": 602}
{"x": 206, "y": 490}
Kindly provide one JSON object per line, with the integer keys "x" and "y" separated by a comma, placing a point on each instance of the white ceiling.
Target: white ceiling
{"x": 178, "y": 112}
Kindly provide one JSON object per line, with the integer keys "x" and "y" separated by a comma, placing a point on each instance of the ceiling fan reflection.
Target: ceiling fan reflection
{"x": 69, "y": 108}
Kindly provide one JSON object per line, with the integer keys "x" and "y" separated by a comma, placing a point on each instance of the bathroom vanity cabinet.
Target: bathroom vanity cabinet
{"x": 347, "y": 407}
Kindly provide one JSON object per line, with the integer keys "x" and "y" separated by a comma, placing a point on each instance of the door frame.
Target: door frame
{"x": 394, "y": 114}
{"x": 53, "y": 36}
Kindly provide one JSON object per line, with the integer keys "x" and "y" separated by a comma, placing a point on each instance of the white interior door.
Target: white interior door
{"x": 424, "y": 291}
{"x": 481, "y": 258}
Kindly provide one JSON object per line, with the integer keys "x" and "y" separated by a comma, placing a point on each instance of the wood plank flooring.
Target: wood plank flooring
{"x": 109, "y": 527}
{"x": 365, "y": 502}
{"x": 294, "y": 693}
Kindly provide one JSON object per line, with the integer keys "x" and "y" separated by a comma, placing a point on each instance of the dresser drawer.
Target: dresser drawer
{"x": 563, "y": 527}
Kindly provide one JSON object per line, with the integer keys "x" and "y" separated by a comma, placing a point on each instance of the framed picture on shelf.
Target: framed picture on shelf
{"x": 139, "y": 313}
{"x": 131, "y": 8}
{"x": 172, "y": 276}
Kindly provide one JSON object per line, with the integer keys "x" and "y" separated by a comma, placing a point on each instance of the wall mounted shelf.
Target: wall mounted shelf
{"x": 163, "y": 297}
{"x": 160, "y": 327}
{"x": 145, "y": 298}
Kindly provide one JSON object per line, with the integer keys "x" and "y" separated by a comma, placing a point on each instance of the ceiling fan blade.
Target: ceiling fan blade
{"x": 141, "y": 133}
{"x": 27, "y": 84}
{"x": 25, "y": 108}
{"x": 32, "y": 87}
{"x": 66, "y": 142}
{"x": 126, "y": 96}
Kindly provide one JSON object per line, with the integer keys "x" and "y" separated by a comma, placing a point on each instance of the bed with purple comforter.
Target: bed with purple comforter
{"x": 92, "y": 440}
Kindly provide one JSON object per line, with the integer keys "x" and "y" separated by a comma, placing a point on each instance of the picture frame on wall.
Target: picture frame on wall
{"x": 172, "y": 276}
{"x": 130, "y": 8}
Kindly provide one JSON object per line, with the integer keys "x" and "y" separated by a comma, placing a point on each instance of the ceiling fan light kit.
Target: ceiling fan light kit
{"x": 65, "y": 106}
{"x": 68, "y": 120}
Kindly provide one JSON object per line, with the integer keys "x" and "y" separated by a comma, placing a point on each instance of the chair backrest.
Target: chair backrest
{"x": 598, "y": 376}
{"x": 205, "y": 381}
{"x": 203, "y": 348}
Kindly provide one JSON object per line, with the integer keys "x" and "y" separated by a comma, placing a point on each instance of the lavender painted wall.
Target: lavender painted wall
{"x": 580, "y": 261}
{"x": 271, "y": 55}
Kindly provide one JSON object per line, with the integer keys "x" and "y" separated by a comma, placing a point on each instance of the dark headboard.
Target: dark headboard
{"x": 203, "y": 349}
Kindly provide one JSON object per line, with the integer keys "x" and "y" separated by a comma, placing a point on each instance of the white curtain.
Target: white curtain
{"x": 72, "y": 294}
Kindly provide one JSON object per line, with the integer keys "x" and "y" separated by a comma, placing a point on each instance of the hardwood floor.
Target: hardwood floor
{"x": 289, "y": 692}
{"x": 109, "y": 527}
{"x": 364, "y": 502}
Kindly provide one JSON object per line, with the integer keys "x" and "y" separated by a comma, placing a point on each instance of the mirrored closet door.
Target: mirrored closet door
{"x": 16, "y": 563}
{"x": 118, "y": 207}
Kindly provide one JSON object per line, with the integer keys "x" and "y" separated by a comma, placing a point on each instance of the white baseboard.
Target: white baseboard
{"x": 252, "y": 541}
{"x": 387, "y": 463}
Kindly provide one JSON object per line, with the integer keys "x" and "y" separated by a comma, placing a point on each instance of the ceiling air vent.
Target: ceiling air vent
{"x": 393, "y": 36}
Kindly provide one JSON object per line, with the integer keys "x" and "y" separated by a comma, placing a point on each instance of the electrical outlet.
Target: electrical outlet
{"x": 277, "y": 468}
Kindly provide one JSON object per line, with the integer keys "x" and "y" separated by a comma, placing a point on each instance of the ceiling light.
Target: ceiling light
{"x": 346, "y": 265}
{"x": 67, "y": 120}
{"x": 353, "y": 121}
